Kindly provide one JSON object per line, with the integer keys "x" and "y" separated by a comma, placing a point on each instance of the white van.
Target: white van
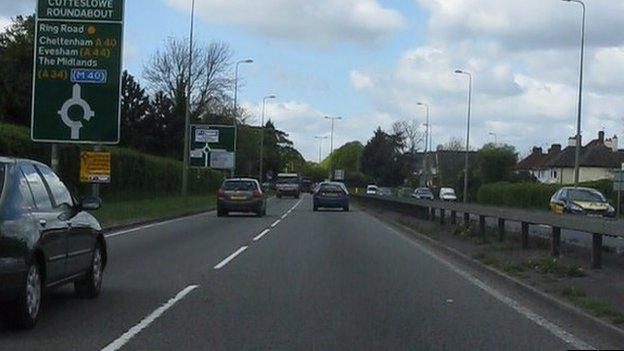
{"x": 372, "y": 190}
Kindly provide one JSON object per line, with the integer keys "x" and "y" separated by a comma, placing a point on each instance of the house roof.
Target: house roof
{"x": 592, "y": 155}
{"x": 539, "y": 160}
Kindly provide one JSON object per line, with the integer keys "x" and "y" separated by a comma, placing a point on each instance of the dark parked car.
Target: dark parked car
{"x": 331, "y": 195}
{"x": 423, "y": 194}
{"x": 46, "y": 240}
{"x": 241, "y": 195}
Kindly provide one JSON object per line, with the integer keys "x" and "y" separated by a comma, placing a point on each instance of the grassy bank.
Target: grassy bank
{"x": 134, "y": 211}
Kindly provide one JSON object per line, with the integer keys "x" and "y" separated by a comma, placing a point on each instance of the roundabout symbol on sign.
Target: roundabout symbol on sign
{"x": 76, "y": 100}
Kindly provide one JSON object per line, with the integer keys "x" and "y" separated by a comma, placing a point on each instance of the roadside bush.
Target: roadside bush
{"x": 134, "y": 174}
{"x": 532, "y": 195}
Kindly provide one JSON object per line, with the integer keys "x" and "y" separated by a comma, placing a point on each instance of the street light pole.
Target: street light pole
{"x": 495, "y": 137}
{"x": 235, "y": 122}
{"x": 320, "y": 139}
{"x": 187, "y": 116}
{"x": 427, "y": 148}
{"x": 467, "y": 160}
{"x": 577, "y": 162}
{"x": 331, "y": 155}
{"x": 262, "y": 136}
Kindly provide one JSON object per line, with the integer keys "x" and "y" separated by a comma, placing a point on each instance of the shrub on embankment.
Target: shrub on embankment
{"x": 532, "y": 195}
{"x": 133, "y": 174}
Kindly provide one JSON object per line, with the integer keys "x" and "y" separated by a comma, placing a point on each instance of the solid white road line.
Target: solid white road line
{"x": 285, "y": 215}
{"x": 230, "y": 258}
{"x": 276, "y": 223}
{"x": 265, "y": 232}
{"x": 151, "y": 225}
{"x": 122, "y": 340}
{"x": 556, "y": 330}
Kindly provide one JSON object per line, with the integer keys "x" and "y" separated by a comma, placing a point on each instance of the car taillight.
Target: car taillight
{"x": 256, "y": 193}
{"x": 220, "y": 193}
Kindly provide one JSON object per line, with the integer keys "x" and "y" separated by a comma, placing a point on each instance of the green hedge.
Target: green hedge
{"x": 134, "y": 174}
{"x": 532, "y": 195}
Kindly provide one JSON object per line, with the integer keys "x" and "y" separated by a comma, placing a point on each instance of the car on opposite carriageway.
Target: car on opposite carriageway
{"x": 47, "y": 239}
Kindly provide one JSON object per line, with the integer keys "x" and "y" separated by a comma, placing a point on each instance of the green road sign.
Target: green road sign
{"x": 212, "y": 146}
{"x": 77, "y": 71}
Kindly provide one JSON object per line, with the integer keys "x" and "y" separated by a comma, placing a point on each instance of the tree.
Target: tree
{"x": 496, "y": 163}
{"x": 16, "y": 59}
{"x": 411, "y": 133}
{"x": 455, "y": 144}
{"x": 382, "y": 158}
{"x": 211, "y": 79}
{"x": 135, "y": 106}
{"x": 347, "y": 157}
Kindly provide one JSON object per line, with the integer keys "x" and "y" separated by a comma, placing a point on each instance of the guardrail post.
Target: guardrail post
{"x": 555, "y": 243}
{"x": 453, "y": 217}
{"x": 433, "y": 214}
{"x": 482, "y": 226}
{"x": 596, "y": 257}
{"x": 501, "y": 229}
{"x": 442, "y": 216}
{"x": 525, "y": 235}
{"x": 466, "y": 220}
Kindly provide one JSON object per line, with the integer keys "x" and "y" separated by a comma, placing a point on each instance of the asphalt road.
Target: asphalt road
{"x": 313, "y": 281}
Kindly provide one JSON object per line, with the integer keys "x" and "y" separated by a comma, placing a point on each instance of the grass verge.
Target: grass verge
{"x": 134, "y": 211}
{"x": 597, "y": 307}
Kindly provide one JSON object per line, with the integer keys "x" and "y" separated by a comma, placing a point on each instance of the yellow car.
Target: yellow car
{"x": 581, "y": 201}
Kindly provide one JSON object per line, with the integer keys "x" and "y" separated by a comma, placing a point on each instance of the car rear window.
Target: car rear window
{"x": 288, "y": 181}
{"x": 331, "y": 189}
{"x": 239, "y": 186}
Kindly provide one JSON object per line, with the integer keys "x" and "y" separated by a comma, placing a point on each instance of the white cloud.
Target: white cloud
{"x": 525, "y": 24}
{"x": 320, "y": 22}
{"x": 303, "y": 122}
{"x": 360, "y": 81}
{"x": 525, "y": 59}
{"x": 4, "y": 23}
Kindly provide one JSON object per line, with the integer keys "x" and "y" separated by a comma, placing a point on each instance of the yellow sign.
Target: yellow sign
{"x": 95, "y": 167}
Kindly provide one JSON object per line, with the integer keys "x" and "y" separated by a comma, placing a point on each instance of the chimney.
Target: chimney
{"x": 601, "y": 137}
{"x": 554, "y": 149}
{"x": 537, "y": 150}
{"x": 612, "y": 143}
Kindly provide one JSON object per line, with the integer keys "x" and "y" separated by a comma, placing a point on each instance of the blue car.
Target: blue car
{"x": 331, "y": 195}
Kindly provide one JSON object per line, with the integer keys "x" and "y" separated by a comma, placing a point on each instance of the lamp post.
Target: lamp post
{"x": 235, "y": 122}
{"x": 187, "y": 116}
{"x": 467, "y": 160}
{"x": 427, "y": 149}
{"x": 331, "y": 155}
{"x": 577, "y": 162}
{"x": 320, "y": 139}
{"x": 495, "y": 137}
{"x": 268, "y": 97}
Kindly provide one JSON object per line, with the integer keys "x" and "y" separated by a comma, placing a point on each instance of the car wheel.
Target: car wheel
{"x": 91, "y": 285}
{"x": 316, "y": 208}
{"x": 28, "y": 304}
{"x": 346, "y": 208}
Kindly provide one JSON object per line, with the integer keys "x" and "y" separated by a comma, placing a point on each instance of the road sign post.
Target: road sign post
{"x": 618, "y": 186}
{"x": 77, "y": 72}
{"x": 212, "y": 146}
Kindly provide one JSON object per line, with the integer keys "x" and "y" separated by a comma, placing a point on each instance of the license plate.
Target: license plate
{"x": 238, "y": 198}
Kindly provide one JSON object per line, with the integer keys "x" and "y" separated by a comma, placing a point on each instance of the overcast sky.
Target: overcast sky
{"x": 371, "y": 61}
